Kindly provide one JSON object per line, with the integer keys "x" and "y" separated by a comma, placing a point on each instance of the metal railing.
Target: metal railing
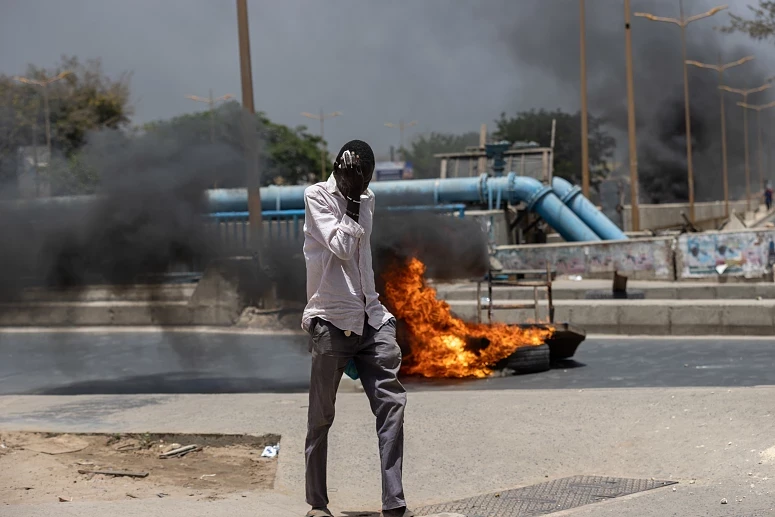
{"x": 516, "y": 278}
{"x": 233, "y": 230}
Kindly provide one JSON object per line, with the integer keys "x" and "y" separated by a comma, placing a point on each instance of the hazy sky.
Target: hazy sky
{"x": 449, "y": 64}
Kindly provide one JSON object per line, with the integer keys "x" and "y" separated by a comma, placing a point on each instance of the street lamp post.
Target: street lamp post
{"x": 634, "y": 195}
{"x": 584, "y": 107}
{"x": 401, "y": 127}
{"x": 322, "y": 118}
{"x": 211, "y": 103}
{"x": 745, "y": 94}
{"x": 720, "y": 69}
{"x": 43, "y": 83}
{"x": 758, "y": 109}
{"x": 683, "y": 22}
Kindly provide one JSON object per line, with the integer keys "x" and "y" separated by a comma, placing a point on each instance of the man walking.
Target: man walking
{"x": 347, "y": 322}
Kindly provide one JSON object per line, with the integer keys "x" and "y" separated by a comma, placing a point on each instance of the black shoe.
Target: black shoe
{"x": 398, "y": 512}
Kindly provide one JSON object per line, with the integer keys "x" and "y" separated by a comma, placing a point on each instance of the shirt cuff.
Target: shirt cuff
{"x": 350, "y": 227}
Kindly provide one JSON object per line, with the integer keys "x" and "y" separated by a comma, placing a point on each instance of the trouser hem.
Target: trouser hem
{"x": 392, "y": 504}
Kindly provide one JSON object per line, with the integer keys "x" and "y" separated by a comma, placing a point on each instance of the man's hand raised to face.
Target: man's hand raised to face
{"x": 351, "y": 182}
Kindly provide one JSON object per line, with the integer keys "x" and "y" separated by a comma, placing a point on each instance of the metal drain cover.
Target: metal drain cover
{"x": 544, "y": 498}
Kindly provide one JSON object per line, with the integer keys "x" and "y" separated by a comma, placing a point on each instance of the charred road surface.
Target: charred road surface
{"x": 186, "y": 361}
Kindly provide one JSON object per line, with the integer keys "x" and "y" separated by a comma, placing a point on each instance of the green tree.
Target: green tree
{"x": 287, "y": 155}
{"x": 85, "y": 100}
{"x": 760, "y": 27}
{"x": 536, "y": 126}
{"x": 423, "y": 147}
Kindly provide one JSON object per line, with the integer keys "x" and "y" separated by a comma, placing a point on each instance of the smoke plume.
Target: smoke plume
{"x": 146, "y": 219}
{"x": 544, "y": 42}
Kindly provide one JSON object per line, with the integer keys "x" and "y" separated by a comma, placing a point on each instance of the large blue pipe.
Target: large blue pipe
{"x": 587, "y": 212}
{"x": 540, "y": 199}
{"x": 413, "y": 192}
{"x": 483, "y": 190}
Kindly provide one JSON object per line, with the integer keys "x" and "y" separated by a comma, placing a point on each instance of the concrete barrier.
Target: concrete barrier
{"x": 640, "y": 259}
{"x": 571, "y": 290}
{"x": 738, "y": 255}
{"x": 649, "y": 317}
{"x": 744, "y": 253}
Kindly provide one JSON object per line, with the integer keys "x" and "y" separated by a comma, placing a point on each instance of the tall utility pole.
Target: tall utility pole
{"x": 634, "y": 194}
{"x": 769, "y": 148}
{"x": 683, "y": 22}
{"x": 758, "y": 109}
{"x": 43, "y": 83}
{"x": 720, "y": 68}
{"x": 322, "y": 118}
{"x": 255, "y": 216}
{"x": 584, "y": 111}
{"x": 401, "y": 127}
{"x": 211, "y": 103}
{"x": 745, "y": 94}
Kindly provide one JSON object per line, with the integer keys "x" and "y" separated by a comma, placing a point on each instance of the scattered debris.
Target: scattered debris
{"x": 179, "y": 452}
{"x": 105, "y": 472}
{"x": 270, "y": 451}
{"x": 65, "y": 500}
{"x": 116, "y": 473}
{"x": 724, "y": 501}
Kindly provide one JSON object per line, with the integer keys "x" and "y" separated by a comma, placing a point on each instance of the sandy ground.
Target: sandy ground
{"x": 44, "y": 467}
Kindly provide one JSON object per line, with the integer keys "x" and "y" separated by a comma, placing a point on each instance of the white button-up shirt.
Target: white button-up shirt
{"x": 337, "y": 250}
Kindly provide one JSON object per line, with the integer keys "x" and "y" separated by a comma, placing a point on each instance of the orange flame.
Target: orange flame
{"x": 439, "y": 341}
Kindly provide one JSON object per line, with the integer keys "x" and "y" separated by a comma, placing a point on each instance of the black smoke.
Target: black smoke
{"x": 147, "y": 219}
{"x": 544, "y": 41}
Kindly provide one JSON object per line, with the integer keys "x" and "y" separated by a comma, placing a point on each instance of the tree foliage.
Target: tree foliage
{"x": 536, "y": 126}
{"x": 287, "y": 155}
{"x": 84, "y": 100}
{"x": 423, "y": 147}
{"x": 760, "y": 27}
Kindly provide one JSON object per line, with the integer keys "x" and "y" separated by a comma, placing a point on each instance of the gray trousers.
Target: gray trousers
{"x": 378, "y": 359}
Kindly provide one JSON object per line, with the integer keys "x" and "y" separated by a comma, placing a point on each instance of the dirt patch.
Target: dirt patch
{"x": 41, "y": 467}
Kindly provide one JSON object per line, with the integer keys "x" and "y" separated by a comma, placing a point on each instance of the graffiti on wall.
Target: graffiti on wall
{"x": 733, "y": 254}
{"x": 565, "y": 260}
{"x": 653, "y": 256}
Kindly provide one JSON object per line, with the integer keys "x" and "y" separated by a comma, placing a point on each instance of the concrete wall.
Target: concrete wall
{"x": 707, "y": 215}
{"x": 745, "y": 253}
{"x": 640, "y": 259}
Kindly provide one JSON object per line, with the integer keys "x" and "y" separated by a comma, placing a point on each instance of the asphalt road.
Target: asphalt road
{"x": 153, "y": 361}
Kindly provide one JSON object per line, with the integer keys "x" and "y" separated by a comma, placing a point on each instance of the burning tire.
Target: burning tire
{"x": 528, "y": 359}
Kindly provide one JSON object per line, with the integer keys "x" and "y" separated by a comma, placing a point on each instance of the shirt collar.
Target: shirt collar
{"x": 333, "y": 189}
